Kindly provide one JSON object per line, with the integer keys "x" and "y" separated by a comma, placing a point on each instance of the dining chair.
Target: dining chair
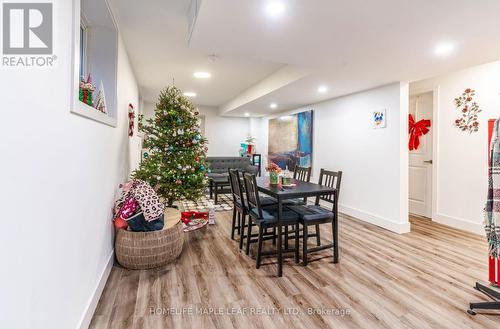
{"x": 267, "y": 218}
{"x": 240, "y": 209}
{"x": 302, "y": 174}
{"x": 315, "y": 215}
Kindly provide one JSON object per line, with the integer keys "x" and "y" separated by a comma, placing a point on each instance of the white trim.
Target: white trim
{"x": 92, "y": 113}
{"x": 76, "y": 106}
{"x": 94, "y": 299}
{"x": 459, "y": 223}
{"x": 404, "y": 108}
{"x": 400, "y": 228}
{"x": 435, "y": 145}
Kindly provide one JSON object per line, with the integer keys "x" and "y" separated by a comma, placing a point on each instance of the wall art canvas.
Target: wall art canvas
{"x": 379, "y": 119}
{"x": 291, "y": 140}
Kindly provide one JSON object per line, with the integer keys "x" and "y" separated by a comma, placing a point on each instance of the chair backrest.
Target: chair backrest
{"x": 302, "y": 173}
{"x": 236, "y": 188}
{"x": 252, "y": 194}
{"x": 330, "y": 179}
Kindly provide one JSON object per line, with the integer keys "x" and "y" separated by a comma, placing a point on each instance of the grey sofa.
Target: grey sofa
{"x": 218, "y": 166}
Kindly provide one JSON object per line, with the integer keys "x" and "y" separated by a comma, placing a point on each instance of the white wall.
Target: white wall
{"x": 148, "y": 110}
{"x": 462, "y": 158}
{"x": 59, "y": 173}
{"x": 224, "y": 134}
{"x": 373, "y": 161}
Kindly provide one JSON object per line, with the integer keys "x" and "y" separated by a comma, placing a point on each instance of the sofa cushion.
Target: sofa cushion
{"x": 219, "y": 165}
{"x": 218, "y": 175}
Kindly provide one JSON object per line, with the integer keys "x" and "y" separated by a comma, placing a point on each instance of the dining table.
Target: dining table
{"x": 295, "y": 190}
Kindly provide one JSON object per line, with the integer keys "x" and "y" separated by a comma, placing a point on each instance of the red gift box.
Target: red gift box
{"x": 187, "y": 216}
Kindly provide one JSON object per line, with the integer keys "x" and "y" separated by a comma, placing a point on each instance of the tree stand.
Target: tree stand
{"x": 493, "y": 294}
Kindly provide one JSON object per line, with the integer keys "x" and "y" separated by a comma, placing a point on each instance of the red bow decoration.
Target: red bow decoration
{"x": 417, "y": 129}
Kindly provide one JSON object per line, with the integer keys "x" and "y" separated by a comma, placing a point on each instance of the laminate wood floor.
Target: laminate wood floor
{"x": 422, "y": 279}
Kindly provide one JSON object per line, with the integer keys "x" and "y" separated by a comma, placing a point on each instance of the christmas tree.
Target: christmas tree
{"x": 176, "y": 165}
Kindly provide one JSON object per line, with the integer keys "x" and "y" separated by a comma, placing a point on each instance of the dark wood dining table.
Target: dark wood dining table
{"x": 299, "y": 190}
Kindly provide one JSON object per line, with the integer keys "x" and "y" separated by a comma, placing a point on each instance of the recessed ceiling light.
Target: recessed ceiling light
{"x": 202, "y": 75}
{"x": 322, "y": 89}
{"x": 273, "y": 105}
{"x": 444, "y": 49}
{"x": 247, "y": 114}
{"x": 189, "y": 94}
{"x": 275, "y": 8}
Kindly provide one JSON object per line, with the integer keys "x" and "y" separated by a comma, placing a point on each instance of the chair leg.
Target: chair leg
{"x": 242, "y": 230}
{"x": 259, "y": 247}
{"x": 318, "y": 238}
{"x": 249, "y": 235}
{"x": 297, "y": 243}
{"x": 233, "y": 223}
{"x": 304, "y": 245}
{"x": 335, "y": 228}
{"x": 239, "y": 222}
{"x": 286, "y": 237}
{"x": 274, "y": 236}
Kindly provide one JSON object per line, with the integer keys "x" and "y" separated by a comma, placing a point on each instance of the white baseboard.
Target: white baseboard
{"x": 460, "y": 223}
{"x": 92, "y": 304}
{"x": 375, "y": 220}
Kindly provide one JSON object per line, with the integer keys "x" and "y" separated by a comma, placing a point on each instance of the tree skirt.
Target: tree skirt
{"x": 224, "y": 203}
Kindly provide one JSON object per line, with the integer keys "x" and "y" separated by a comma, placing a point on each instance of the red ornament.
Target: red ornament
{"x": 416, "y": 130}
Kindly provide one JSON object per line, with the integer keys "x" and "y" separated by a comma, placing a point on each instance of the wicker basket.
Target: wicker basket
{"x": 143, "y": 250}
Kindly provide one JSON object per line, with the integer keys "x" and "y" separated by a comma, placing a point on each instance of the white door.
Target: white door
{"x": 420, "y": 160}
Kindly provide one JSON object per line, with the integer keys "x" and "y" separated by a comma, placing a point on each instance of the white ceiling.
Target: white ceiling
{"x": 348, "y": 46}
{"x": 156, "y": 36}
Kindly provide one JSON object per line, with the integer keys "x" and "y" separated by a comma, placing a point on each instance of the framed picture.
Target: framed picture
{"x": 291, "y": 140}
{"x": 379, "y": 119}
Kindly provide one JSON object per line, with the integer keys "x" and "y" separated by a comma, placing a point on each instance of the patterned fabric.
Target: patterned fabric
{"x": 492, "y": 208}
{"x": 224, "y": 203}
{"x": 129, "y": 208}
{"x": 146, "y": 197}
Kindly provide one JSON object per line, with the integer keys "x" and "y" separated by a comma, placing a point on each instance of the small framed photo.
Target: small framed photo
{"x": 379, "y": 119}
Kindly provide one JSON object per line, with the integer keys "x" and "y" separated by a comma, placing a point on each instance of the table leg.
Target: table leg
{"x": 280, "y": 242}
{"x": 216, "y": 193}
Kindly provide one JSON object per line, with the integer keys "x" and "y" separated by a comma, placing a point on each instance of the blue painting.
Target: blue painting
{"x": 291, "y": 140}
{"x": 379, "y": 119}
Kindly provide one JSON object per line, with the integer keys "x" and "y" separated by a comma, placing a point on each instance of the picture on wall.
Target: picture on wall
{"x": 379, "y": 119}
{"x": 290, "y": 140}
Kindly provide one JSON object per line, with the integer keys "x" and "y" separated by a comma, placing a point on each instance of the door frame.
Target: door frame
{"x": 435, "y": 143}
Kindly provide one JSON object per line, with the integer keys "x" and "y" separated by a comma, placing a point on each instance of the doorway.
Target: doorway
{"x": 420, "y": 172}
